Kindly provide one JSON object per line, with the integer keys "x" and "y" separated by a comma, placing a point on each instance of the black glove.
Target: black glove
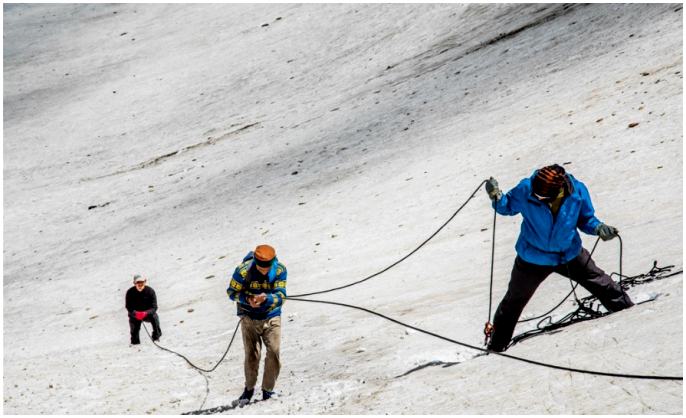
{"x": 493, "y": 190}
{"x": 606, "y": 232}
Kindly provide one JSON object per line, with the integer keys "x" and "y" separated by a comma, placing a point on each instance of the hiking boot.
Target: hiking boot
{"x": 267, "y": 395}
{"x": 247, "y": 395}
{"x": 497, "y": 349}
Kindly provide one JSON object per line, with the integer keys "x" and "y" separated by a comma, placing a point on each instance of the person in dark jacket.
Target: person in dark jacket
{"x": 554, "y": 206}
{"x": 141, "y": 304}
{"x": 258, "y": 287}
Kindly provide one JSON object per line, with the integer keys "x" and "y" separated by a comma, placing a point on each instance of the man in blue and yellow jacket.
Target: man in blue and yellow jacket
{"x": 258, "y": 286}
{"x": 554, "y": 207}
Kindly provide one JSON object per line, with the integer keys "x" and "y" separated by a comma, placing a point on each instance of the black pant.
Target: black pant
{"x": 526, "y": 278}
{"x": 135, "y": 326}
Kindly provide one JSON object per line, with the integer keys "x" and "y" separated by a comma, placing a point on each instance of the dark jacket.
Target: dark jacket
{"x": 544, "y": 239}
{"x": 145, "y": 301}
{"x": 242, "y": 285}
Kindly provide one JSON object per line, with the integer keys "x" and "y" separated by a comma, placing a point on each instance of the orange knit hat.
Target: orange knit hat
{"x": 265, "y": 253}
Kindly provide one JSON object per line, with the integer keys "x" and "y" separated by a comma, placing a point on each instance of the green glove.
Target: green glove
{"x": 493, "y": 190}
{"x": 606, "y": 232}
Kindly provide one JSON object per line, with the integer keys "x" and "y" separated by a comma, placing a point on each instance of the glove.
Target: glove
{"x": 141, "y": 315}
{"x": 493, "y": 190}
{"x": 606, "y": 232}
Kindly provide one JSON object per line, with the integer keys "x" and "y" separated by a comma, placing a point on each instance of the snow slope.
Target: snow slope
{"x": 169, "y": 140}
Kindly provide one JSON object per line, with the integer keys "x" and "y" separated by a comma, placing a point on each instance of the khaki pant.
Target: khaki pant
{"x": 255, "y": 332}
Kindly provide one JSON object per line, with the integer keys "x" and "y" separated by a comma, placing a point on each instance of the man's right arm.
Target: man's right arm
{"x": 128, "y": 304}
{"x": 235, "y": 289}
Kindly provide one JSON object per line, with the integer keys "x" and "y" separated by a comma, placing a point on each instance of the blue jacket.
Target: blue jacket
{"x": 543, "y": 240}
{"x": 242, "y": 285}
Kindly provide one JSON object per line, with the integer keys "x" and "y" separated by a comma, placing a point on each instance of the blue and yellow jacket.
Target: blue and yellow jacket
{"x": 546, "y": 240}
{"x": 242, "y": 285}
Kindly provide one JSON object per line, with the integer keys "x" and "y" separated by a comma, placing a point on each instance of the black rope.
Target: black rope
{"x": 207, "y": 389}
{"x": 489, "y": 351}
{"x": 488, "y": 326}
{"x": 402, "y": 259}
{"x": 655, "y": 273}
{"x": 490, "y": 299}
{"x": 621, "y": 249}
{"x": 200, "y": 370}
{"x": 550, "y": 311}
{"x": 188, "y": 361}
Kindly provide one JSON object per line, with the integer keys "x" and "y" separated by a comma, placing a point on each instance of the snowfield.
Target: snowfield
{"x": 169, "y": 140}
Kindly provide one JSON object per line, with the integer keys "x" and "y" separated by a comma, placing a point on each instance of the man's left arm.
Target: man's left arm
{"x": 277, "y": 297}
{"x": 153, "y": 308}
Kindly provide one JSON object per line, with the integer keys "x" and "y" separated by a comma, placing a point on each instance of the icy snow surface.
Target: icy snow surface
{"x": 169, "y": 140}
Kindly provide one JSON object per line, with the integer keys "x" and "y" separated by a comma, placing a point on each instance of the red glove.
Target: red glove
{"x": 141, "y": 315}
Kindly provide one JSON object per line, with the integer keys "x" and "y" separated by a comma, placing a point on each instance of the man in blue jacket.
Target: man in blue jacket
{"x": 258, "y": 287}
{"x": 553, "y": 205}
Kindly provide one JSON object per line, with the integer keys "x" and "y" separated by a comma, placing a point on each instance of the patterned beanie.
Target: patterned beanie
{"x": 548, "y": 180}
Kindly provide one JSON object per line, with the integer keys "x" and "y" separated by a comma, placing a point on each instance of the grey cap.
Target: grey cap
{"x": 138, "y": 278}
